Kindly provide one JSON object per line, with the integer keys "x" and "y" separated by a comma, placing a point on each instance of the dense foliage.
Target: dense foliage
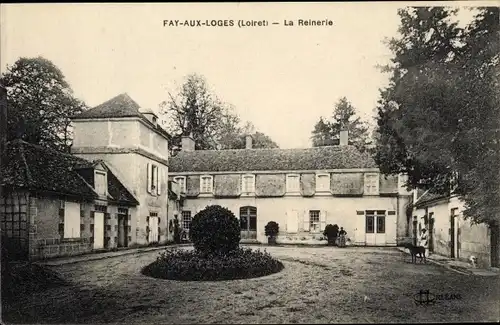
{"x": 326, "y": 132}
{"x": 215, "y": 229}
{"x": 195, "y": 266}
{"x": 331, "y": 232}
{"x": 40, "y": 103}
{"x": 439, "y": 118}
{"x": 272, "y": 229}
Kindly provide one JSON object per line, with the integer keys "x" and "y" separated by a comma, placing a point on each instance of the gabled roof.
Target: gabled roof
{"x": 330, "y": 157}
{"x": 119, "y": 106}
{"x": 38, "y": 168}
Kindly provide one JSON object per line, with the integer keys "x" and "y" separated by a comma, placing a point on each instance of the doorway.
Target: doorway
{"x": 494, "y": 244}
{"x": 375, "y": 228}
{"x": 98, "y": 230}
{"x": 153, "y": 235}
{"x": 122, "y": 227}
{"x": 248, "y": 222}
{"x": 431, "y": 232}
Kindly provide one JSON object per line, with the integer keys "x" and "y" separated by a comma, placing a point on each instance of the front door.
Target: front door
{"x": 375, "y": 228}
{"x": 122, "y": 230}
{"x": 248, "y": 222}
{"x": 153, "y": 229}
{"x": 98, "y": 230}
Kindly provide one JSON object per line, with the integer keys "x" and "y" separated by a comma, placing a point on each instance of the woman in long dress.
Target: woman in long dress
{"x": 342, "y": 234}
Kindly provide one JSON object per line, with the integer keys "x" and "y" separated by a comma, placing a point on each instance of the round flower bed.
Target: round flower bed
{"x": 193, "y": 265}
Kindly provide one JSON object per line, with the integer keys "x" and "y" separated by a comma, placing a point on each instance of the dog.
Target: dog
{"x": 414, "y": 251}
{"x": 473, "y": 261}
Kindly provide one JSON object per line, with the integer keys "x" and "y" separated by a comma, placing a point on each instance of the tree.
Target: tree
{"x": 194, "y": 110}
{"x": 198, "y": 111}
{"x": 236, "y": 137}
{"x": 40, "y": 103}
{"x": 438, "y": 121}
{"x": 344, "y": 117}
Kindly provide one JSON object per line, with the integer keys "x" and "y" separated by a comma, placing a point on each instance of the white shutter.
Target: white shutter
{"x": 159, "y": 180}
{"x": 322, "y": 220}
{"x": 306, "y": 221}
{"x": 293, "y": 221}
{"x": 149, "y": 177}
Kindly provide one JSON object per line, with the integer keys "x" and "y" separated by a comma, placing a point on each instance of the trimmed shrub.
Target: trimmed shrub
{"x": 272, "y": 229}
{"x": 215, "y": 230}
{"x": 241, "y": 263}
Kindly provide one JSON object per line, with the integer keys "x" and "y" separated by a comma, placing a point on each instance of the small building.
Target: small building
{"x": 56, "y": 204}
{"x": 449, "y": 233}
{"x": 135, "y": 147}
{"x": 302, "y": 190}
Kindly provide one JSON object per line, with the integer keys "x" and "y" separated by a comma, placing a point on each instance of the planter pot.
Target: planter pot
{"x": 271, "y": 240}
{"x": 332, "y": 241}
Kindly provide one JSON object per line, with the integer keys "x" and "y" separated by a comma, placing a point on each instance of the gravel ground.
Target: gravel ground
{"x": 318, "y": 285}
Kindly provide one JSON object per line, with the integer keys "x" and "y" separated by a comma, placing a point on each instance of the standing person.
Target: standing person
{"x": 423, "y": 241}
{"x": 342, "y": 234}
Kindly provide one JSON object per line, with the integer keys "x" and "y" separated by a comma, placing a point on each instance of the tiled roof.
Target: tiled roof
{"x": 120, "y": 106}
{"x": 331, "y": 157}
{"x": 118, "y": 191}
{"x": 428, "y": 196}
{"x": 37, "y": 168}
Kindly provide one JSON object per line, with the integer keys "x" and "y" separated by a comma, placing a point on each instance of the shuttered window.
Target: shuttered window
{"x": 100, "y": 182}
{"x": 322, "y": 182}
{"x": 292, "y": 183}
{"x": 206, "y": 184}
{"x": 371, "y": 184}
{"x": 248, "y": 183}
{"x": 154, "y": 179}
{"x": 181, "y": 181}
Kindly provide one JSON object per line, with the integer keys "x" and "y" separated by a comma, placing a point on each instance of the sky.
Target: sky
{"x": 280, "y": 78}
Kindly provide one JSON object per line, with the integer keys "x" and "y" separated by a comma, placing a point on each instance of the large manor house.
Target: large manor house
{"x": 120, "y": 188}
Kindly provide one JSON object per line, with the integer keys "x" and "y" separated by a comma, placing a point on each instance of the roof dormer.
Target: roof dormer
{"x": 151, "y": 116}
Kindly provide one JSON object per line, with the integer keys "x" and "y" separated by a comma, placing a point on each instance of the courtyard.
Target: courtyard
{"x": 318, "y": 285}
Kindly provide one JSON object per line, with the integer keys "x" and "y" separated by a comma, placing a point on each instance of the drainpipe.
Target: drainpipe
{"x": 398, "y": 217}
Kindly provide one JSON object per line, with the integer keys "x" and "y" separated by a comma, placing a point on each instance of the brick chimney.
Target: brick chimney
{"x": 248, "y": 141}
{"x": 187, "y": 143}
{"x": 344, "y": 138}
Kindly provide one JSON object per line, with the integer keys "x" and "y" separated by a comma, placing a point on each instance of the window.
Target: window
{"x": 371, "y": 184}
{"x": 381, "y": 224}
{"x": 248, "y": 184}
{"x": 370, "y": 224}
{"x": 322, "y": 182}
{"x": 71, "y": 220}
{"x": 206, "y": 184}
{"x": 314, "y": 224}
{"x": 100, "y": 182}
{"x": 375, "y": 222}
{"x": 154, "y": 184}
{"x": 186, "y": 220}
{"x": 181, "y": 180}
{"x": 292, "y": 183}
